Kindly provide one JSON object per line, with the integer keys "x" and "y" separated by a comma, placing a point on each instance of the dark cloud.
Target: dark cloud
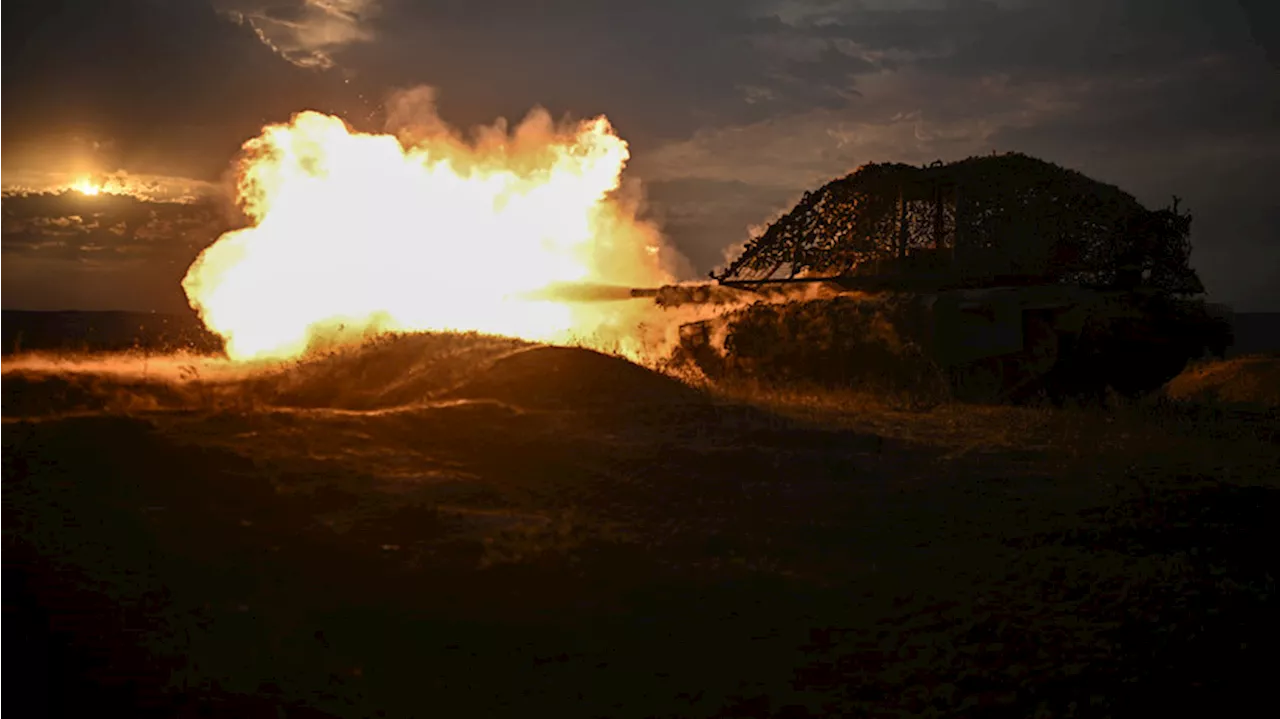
{"x": 659, "y": 69}
{"x": 74, "y": 227}
{"x": 306, "y": 32}
{"x": 1040, "y": 39}
{"x": 692, "y": 210}
{"x": 1263, "y": 17}
{"x": 72, "y": 236}
{"x": 162, "y": 86}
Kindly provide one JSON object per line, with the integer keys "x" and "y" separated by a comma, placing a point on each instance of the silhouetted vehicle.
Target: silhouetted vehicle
{"x": 1008, "y": 276}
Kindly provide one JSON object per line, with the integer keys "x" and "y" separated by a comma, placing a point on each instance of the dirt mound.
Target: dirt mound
{"x": 1247, "y": 382}
{"x": 386, "y": 372}
{"x": 391, "y": 371}
{"x": 570, "y": 377}
{"x": 38, "y": 394}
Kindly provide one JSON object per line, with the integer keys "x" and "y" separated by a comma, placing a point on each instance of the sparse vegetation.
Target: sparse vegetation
{"x": 1251, "y": 382}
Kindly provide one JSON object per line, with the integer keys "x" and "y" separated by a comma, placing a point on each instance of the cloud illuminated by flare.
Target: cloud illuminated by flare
{"x": 414, "y": 232}
{"x": 307, "y": 33}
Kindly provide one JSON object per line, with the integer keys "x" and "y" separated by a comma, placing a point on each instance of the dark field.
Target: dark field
{"x": 433, "y": 526}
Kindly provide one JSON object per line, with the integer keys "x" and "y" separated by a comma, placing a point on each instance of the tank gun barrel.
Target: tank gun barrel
{"x": 581, "y": 292}
{"x": 664, "y": 296}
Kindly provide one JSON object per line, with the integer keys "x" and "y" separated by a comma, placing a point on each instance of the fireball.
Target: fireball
{"x": 351, "y": 232}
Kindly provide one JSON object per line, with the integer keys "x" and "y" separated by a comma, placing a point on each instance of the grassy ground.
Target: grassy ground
{"x": 418, "y": 530}
{"x": 1251, "y": 382}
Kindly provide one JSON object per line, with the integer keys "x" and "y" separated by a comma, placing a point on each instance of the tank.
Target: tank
{"x": 1000, "y": 278}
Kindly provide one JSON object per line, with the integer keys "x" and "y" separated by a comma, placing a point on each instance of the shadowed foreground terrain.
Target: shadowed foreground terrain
{"x": 466, "y": 526}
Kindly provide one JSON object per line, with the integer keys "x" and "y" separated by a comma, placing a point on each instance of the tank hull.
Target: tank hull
{"x": 995, "y": 344}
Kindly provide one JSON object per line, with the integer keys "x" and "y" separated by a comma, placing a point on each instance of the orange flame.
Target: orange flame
{"x": 424, "y": 232}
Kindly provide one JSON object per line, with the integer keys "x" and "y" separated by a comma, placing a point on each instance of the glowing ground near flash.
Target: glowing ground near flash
{"x": 353, "y": 233}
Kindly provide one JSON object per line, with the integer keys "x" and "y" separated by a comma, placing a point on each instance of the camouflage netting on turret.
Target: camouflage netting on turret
{"x": 980, "y": 220}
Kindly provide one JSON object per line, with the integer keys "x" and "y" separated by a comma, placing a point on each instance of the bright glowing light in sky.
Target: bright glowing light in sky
{"x": 85, "y": 186}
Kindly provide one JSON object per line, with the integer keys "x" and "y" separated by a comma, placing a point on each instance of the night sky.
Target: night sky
{"x": 732, "y": 108}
